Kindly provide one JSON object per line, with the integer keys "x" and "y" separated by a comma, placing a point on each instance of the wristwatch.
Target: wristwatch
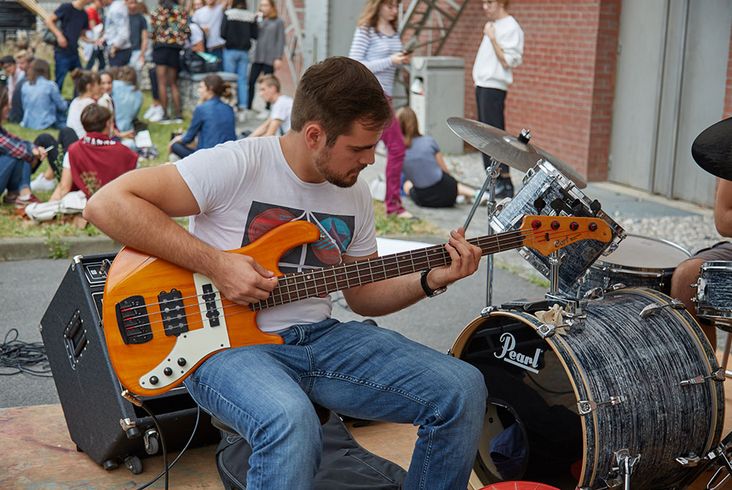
{"x": 426, "y": 287}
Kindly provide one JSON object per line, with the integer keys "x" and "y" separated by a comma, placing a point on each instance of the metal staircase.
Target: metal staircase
{"x": 430, "y": 22}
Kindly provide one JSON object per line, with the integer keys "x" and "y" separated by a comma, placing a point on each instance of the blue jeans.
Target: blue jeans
{"x": 237, "y": 61}
{"x": 181, "y": 150}
{"x": 266, "y": 392}
{"x": 65, "y": 62}
{"x": 14, "y": 174}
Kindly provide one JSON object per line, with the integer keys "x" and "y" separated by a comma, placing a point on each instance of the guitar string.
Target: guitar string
{"x": 248, "y": 308}
{"x": 435, "y": 252}
{"x": 252, "y": 306}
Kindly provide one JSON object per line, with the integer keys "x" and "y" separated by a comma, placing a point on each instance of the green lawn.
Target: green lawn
{"x": 12, "y": 225}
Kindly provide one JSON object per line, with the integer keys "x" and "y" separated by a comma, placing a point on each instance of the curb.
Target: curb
{"x": 30, "y": 248}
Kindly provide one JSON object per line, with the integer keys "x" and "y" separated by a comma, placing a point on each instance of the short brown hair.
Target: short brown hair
{"x": 270, "y": 81}
{"x": 94, "y": 118}
{"x": 38, "y": 68}
{"x": 337, "y": 92}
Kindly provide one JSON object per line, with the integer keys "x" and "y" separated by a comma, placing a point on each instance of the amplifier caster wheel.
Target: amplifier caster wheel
{"x": 108, "y": 465}
{"x": 134, "y": 464}
{"x": 152, "y": 444}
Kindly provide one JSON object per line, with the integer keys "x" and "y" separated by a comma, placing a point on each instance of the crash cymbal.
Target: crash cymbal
{"x": 508, "y": 149}
{"x": 712, "y": 149}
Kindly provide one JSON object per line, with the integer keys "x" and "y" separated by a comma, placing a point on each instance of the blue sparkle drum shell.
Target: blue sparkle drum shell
{"x": 544, "y": 182}
{"x": 560, "y": 406}
{"x": 714, "y": 291}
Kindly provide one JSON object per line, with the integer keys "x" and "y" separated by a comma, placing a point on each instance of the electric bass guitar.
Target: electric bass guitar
{"x": 161, "y": 321}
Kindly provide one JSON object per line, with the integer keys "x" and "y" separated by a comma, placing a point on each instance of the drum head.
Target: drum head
{"x": 645, "y": 253}
{"x": 532, "y": 429}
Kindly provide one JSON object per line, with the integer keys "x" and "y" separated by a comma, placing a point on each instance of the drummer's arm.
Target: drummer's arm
{"x": 384, "y": 297}
{"x": 723, "y": 208}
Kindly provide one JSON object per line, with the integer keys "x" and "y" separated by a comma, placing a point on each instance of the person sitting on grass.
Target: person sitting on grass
{"x": 427, "y": 180}
{"x": 278, "y": 122}
{"x": 43, "y": 106}
{"x": 95, "y": 159}
{"x": 127, "y": 98}
{"x": 213, "y": 120}
{"x": 16, "y": 159}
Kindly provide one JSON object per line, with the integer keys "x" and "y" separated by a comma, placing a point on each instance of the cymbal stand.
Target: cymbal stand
{"x": 489, "y": 184}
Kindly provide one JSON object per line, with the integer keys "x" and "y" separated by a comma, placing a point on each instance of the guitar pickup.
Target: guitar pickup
{"x": 173, "y": 312}
{"x": 133, "y": 320}
{"x": 212, "y": 311}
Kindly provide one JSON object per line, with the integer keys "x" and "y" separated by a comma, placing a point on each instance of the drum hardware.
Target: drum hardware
{"x": 720, "y": 453}
{"x": 585, "y": 407}
{"x": 626, "y": 462}
{"x": 690, "y": 460}
{"x": 717, "y": 375}
{"x": 485, "y": 312}
{"x": 654, "y": 308}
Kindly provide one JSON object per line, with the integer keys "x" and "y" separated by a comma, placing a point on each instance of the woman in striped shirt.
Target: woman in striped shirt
{"x": 376, "y": 44}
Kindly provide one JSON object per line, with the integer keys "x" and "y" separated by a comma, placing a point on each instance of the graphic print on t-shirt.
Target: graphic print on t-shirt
{"x": 336, "y": 235}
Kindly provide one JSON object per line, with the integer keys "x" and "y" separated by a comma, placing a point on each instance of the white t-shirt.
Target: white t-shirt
{"x": 245, "y": 188}
{"x": 487, "y": 70}
{"x": 281, "y": 110}
{"x": 210, "y": 18}
{"x": 73, "y": 119}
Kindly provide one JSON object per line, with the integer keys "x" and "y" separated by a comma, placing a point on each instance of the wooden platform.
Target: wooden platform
{"x": 37, "y": 453}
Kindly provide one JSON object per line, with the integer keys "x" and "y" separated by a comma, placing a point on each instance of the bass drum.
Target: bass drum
{"x": 562, "y": 403}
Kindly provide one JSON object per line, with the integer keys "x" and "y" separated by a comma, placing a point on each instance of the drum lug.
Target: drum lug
{"x": 594, "y": 293}
{"x": 655, "y": 307}
{"x": 588, "y": 406}
{"x": 717, "y": 375}
{"x": 485, "y": 312}
{"x": 545, "y": 330}
{"x": 689, "y": 461}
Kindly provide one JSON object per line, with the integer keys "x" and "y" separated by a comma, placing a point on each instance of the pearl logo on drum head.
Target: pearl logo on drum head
{"x": 509, "y": 354}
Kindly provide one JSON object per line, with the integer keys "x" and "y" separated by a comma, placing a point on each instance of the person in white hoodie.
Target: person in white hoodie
{"x": 500, "y": 51}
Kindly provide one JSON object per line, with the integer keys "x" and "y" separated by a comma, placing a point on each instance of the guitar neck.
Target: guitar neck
{"x": 319, "y": 282}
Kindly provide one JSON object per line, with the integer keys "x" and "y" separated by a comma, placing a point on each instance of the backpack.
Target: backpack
{"x": 345, "y": 465}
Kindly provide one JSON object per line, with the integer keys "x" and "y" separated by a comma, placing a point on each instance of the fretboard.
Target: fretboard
{"x": 319, "y": 282}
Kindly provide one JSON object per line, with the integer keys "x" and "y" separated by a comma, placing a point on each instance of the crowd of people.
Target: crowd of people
{"x": 107, "y": 48}
{"x": 123, "y": 45}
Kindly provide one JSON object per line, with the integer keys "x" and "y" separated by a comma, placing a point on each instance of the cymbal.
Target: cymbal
{"x": 508, "y": 149}
{"x": 712, "y": 149}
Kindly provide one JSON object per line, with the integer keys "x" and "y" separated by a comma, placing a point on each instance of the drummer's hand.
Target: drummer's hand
{"x": 465, "y": 259}
{"x": 241, "y": 279}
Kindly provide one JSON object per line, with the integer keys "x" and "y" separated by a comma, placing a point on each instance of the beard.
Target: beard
{"x": 321, "y": 164}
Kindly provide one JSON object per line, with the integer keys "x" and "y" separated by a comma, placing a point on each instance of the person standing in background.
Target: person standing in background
{"x": 117, "y": 33}
{"x": 501, "y": 50}
{"x": 377, "y": 45}
{"x": 95, "y": 44}
{"x": 138, "y": 34}
{"x": 270, "y": 46}
{"x": 170, "y": 33}
{"x": 74, "y": 22}
{"x": 238, "y": 28}
{"x": 209, "y": 17}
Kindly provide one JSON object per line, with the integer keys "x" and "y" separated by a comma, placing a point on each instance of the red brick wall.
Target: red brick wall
{"x": 564, "y": 89}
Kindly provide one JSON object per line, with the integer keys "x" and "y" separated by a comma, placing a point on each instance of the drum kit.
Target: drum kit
{"x": 607, "y": 382}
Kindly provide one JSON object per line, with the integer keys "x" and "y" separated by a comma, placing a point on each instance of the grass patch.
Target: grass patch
{"x": 391, "y": 225}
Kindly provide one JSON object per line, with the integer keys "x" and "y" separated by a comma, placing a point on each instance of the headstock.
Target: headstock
{"x": 547, "y": 234}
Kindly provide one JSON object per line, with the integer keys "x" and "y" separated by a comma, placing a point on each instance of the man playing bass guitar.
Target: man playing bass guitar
{"x": 240, "y": 190}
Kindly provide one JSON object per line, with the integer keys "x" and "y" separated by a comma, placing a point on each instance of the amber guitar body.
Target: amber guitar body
{"x": 134, "y": 274}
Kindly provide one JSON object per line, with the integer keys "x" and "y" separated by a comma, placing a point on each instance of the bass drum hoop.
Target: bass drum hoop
{"x": 716, "y": 425}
